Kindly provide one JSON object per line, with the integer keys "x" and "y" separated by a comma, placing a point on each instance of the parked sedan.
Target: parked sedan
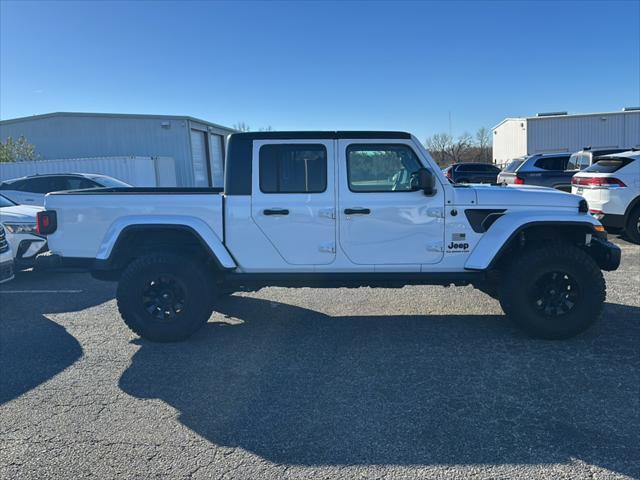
{"x": 32, "y": 189}
{"x": 472, "y": 173}
{"x": 545, "y": 170}
{"x": 19, "y": 222}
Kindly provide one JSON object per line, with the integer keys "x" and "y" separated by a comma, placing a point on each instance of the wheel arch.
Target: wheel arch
{"x": 127, "y": 239}
{"x": 632, "y": 205}
{"x": 506, "y": 234}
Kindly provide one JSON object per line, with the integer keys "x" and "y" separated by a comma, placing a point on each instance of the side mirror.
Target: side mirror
{"x": 424, "y": 180}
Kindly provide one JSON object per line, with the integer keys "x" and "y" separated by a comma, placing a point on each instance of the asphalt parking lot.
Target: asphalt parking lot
{"x": 421, "y": 382}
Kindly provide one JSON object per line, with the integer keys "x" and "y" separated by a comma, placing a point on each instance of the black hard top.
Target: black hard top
{"x": 239, "y": 151}
{"x": 312, "y": 135}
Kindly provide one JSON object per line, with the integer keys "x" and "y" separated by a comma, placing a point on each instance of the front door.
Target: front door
{"x": 383, "y": 219}
{"x": 293, "y": 198}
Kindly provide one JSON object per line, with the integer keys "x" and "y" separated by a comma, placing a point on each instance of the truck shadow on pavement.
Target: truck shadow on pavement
{"x": 299, "y": 387}
{"x": 33, "y": 349}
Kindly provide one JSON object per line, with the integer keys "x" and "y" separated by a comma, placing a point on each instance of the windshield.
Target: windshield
{"x": 5, "y": 202}
{"x": 513, "y": 165}
{"x": 110, "y": 182}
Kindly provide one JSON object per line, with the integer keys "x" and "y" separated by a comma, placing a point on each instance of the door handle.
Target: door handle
{"x": 276, "y": 211}
{"x": 357, "y": 211}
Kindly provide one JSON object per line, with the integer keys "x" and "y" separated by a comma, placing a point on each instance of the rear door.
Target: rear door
{"x": 293, "y": 198}
{"x": 383, "y": 220}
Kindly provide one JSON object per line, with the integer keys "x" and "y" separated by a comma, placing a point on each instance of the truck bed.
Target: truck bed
{"x": 87, "y": 219}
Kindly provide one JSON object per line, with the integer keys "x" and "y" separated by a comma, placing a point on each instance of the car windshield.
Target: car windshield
{"x": 5, "y": 202}
{"x": 110, "y": 182}
{"x": 513, "y": 165}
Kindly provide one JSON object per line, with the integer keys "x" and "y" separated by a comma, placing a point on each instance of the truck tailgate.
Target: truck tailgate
{"x": 85, "y": 217}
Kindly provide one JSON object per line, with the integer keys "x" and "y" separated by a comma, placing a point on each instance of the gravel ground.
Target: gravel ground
{"x": 419, "y": 382}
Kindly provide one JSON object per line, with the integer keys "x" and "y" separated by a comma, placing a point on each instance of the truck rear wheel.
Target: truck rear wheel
{"x": 164, "y": 297}
{"x": 553, "y": 291}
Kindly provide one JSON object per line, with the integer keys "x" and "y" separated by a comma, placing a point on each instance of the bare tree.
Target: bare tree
{"x": 483, "y": 143}
{"x": 460, "y": 149}
{"x": 446, "y": 150}
{"x": 439, "y": 146}
{"x": 241, "y": 127}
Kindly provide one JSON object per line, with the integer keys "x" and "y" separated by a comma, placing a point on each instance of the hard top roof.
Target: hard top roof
{"x": 304, "y": 135}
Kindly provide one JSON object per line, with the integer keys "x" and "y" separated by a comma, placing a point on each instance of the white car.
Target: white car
{"x": 333, "y": 209}
{"x": 32, "y": 189}
{"x": 6, "y": 258}
{"x": 612, "y": 188}
{"x": 19, "y": 222}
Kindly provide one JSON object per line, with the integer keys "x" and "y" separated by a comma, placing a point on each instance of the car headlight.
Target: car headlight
{"x": 21, "y": 228}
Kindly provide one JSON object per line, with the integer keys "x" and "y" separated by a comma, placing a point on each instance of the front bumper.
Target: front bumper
{"x": 6, "y": 271}
{"x": 606, "y": 254}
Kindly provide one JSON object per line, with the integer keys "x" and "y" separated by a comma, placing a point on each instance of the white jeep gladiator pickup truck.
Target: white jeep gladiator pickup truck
{"x": 333, "y": 209}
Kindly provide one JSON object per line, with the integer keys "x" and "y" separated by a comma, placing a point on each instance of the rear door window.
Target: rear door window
{"x": 293, "y": 168}
{"x": 44, "y": 184}
{"x": 552, "y": 163}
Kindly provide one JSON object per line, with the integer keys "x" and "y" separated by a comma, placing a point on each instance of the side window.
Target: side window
{"x": 573, "y": 162}
{"x": 552, "y": 163}
{"x": 293, "y": 168}
{"x": 584, "y": 162}
{"x": 38, "y": 185}
{"x": 12, "y": 186}
{"x": 381, "y": 167}
{"x": 79, "y": 183}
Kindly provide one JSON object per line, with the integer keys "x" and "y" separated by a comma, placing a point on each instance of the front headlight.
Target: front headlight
{"x": 21, "y": 228}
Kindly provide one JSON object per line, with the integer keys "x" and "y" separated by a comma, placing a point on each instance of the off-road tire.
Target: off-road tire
{"x": 632, "y": 228}
{"x": 191, "y": 283}
{"x": 528, "y": 272}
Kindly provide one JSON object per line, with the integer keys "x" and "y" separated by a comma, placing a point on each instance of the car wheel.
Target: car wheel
{"x": 553, "y": 291}
{"x": 632, "y": 229}
{"x": 164, "y": 297}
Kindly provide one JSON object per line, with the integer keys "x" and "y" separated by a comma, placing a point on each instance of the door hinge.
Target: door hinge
{"x": 435, "y": 247}
{"x": 327, "y": 213}
{"x": 327, "y": 248}
{"x": 435, "y": 212}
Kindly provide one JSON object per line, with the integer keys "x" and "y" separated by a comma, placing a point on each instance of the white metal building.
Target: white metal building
{"x": 560, "y": 132}
{"x": 196, "y": 146}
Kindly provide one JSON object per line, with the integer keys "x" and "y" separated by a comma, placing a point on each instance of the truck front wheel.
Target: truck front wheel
{"x": 553, "y": 291}
{"x": 164, "y": 297}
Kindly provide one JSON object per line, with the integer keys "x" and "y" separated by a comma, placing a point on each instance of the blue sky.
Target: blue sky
{"x": 321, "y": 65}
